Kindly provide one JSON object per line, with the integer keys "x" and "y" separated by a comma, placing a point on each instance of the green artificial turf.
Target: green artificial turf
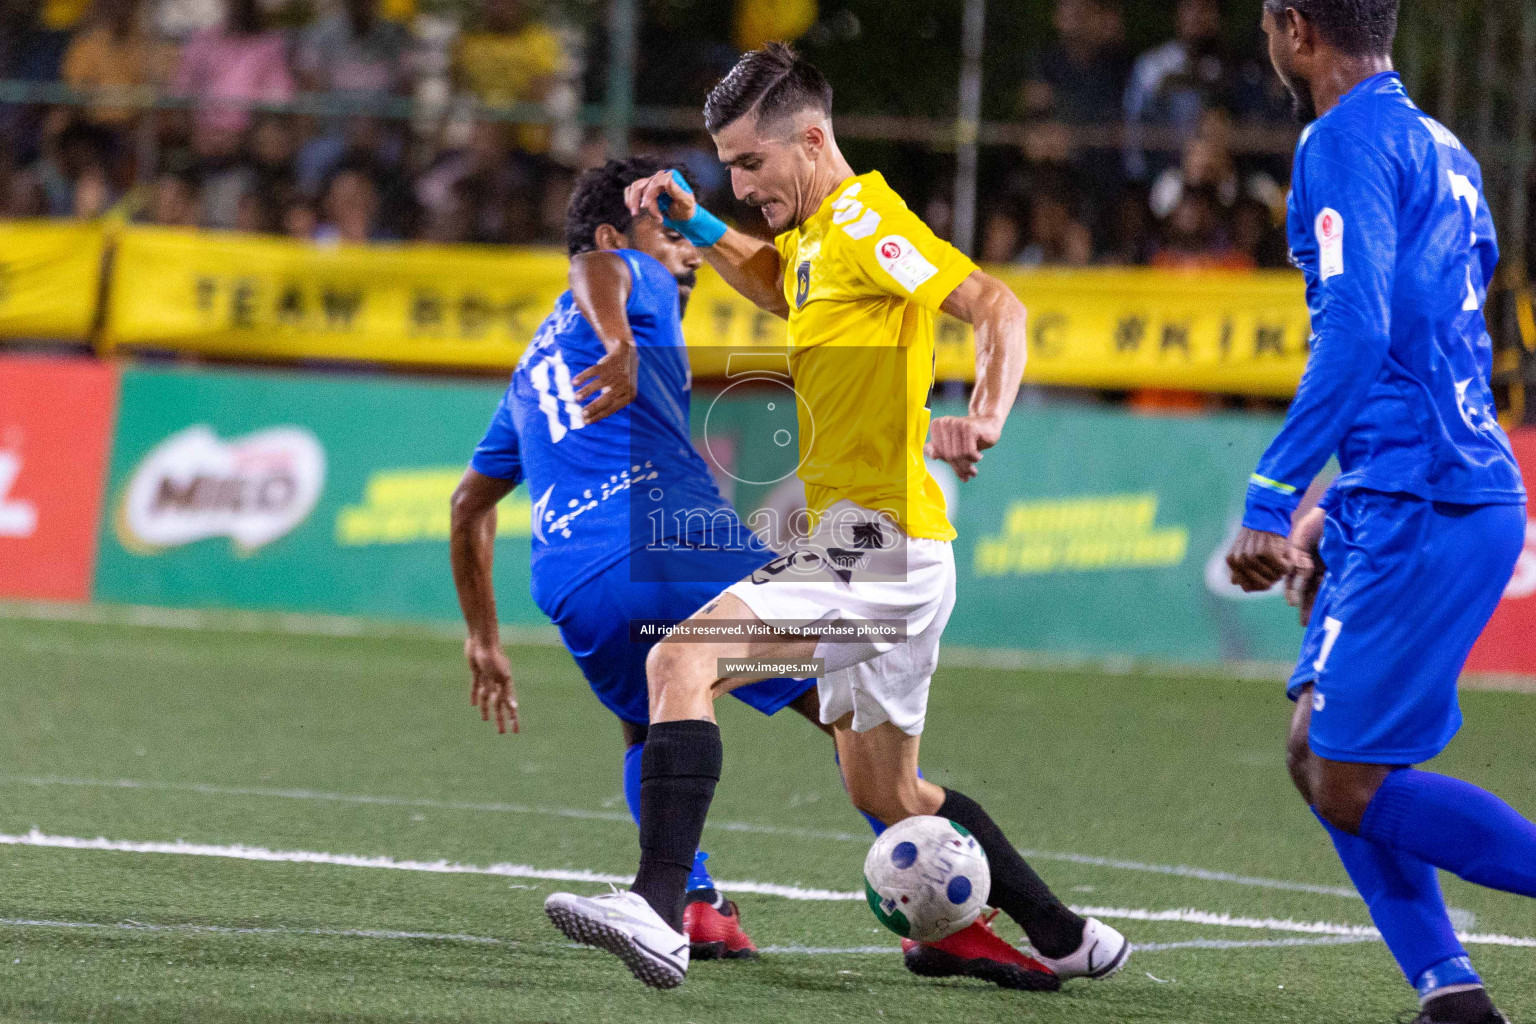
{"x": 366, "y": 746}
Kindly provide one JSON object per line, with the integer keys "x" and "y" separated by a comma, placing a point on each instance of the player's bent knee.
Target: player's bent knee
{"x": 1341, "y": 802}
{"x": 676, "y": 667}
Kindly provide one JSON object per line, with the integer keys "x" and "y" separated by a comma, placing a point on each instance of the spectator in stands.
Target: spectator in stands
{"x": 271, "y": 150}
{"x": 92, "y": 194}
{"x": 355, "y": 54}
{"x": 497, "y": 184}
{"x": 1207, "y": 163}
{"x": 351, "y": 209}
{"x": 1194, "y": 237}
{"x": 1080, "y": 77}
{"x": 176, "y": 201}
{"x": 1078, "y": 82}
{"x": 1001, "y": 237}
{"x": 23, "y": 197}
{"x": 1056, "y": 236}
{"x": 113, "y": 51}
{"x": 451, "y": 219}
{"x": 300, "y": 220}
{"x": 1257, "y": 236}
{"x": 511, "y": 57}
{"x": 76, "y": 158}
{"x": 1130, "y": 241}
{"x": 226, "y": 70}
{"x": 1172, "y": 85}
{"x": 555, "y": 193}
{"x": 29, "y": 52}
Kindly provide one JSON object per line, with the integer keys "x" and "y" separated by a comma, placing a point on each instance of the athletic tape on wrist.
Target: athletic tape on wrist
{"x": 703, "y": 229}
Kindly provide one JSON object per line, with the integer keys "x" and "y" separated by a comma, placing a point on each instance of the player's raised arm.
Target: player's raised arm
{"x": 1348, "y": 194}
{"x": 472, "y": 547}
{"x": 600, "y": 284}
{"x": 999, "y": 319}
{"x": 749, "y": 265}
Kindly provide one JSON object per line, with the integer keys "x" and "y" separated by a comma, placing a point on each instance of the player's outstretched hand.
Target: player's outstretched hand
{"x": 491, "y": 689}
{"x": 960, "y": 440}
{"x": 644, "y": 196}
{"x": 1258, "y": 559}
{"x": 613, "y": 376}
{"x": 1307, "y": 568}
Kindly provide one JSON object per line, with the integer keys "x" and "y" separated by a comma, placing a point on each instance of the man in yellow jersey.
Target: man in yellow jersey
{"x": 860, "y": 279}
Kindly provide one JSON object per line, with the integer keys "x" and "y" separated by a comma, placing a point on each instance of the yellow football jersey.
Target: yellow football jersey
{"x": 865, "y": 278}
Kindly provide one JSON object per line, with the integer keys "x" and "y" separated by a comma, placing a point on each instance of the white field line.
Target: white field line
{"x": 440, "y": 867}
{"x": 213, "y": 929}
{"x": 792, "y": 949}
{"x": 952, "y": 656}
{"x": 36, "y": 838}
{"x": 751, "y": 828}
{"x": 1327, "y": 940}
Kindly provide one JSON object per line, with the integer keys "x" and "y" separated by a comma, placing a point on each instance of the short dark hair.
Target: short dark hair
{"x": 1360, "y": 28}
{"x": 597, "y": 198}
{"x": 773, "y": 81}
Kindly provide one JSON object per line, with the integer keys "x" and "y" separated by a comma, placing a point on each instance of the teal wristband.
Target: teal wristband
{"x": 703, "y": 229}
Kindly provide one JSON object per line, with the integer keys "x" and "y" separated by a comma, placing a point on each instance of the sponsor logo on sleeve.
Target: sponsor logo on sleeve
{"x": 1330, "y": 243}
{"x": 899, "y": 257}
{"x": 193, "y": 486}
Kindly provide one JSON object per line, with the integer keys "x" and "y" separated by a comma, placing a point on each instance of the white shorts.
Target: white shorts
{"x": 857, "y": 568}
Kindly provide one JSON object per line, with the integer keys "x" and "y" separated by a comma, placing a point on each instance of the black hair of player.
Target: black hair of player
{"x": 597, "y": 198}
{"x": 773, "y": 81}
{"x": 1359, "y": 28}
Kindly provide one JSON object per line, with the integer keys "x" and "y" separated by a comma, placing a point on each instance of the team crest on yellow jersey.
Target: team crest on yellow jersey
{"x": 802, "y": 283}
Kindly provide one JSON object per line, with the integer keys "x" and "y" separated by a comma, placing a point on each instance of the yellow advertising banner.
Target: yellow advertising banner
{"x": 1238, "y": 333}
{"x": 1223, "y": 331}
{"x": 246, "y": 297}
{"x": 50, "y": 276}
{"x": 243, "y": 296}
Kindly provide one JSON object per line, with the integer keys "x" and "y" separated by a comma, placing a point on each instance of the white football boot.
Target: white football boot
{"x": 622, "y": 923}
{"x": 1103, "y": 952}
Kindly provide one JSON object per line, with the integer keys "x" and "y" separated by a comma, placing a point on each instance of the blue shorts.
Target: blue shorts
{"x": 594, "y": 624}
{"x": 1409, "y": 588}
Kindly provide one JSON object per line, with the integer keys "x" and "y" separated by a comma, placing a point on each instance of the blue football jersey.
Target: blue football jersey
{"x": 604, "y": 490}
{"x": 1388, "y": 224}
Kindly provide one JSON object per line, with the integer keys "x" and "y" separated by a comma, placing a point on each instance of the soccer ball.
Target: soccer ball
{"x": 926, "y": 878}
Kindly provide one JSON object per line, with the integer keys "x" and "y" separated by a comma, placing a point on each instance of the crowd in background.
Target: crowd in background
{"x": 1123, "y": 159}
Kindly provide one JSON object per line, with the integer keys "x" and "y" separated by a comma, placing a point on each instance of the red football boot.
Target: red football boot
{"x": 977, "y": 951}
{"x": 714, "y": 931}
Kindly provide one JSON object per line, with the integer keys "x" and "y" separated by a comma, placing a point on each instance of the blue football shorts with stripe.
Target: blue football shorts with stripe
{"x": 594, "y": 623}
{"x": 1410, "y": 586}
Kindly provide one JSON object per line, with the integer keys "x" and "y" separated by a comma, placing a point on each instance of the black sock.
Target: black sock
{"x": 1016, "y": 890}
{"x": 678, "y": 772}
{"x": 1468, "y": 1007}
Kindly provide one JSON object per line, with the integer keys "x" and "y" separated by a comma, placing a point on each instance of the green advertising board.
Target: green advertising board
{"x": 297, "y": 492}
{"x": 1088, "y": 531}
{"x": 1102, "y": 533}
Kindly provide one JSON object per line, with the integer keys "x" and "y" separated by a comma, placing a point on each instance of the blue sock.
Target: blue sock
{"x": 632, "y": 779}
{"x": 699, "y": 879}
{"x": 1456, "y": 826}
{"x": 1403, "y": 894}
